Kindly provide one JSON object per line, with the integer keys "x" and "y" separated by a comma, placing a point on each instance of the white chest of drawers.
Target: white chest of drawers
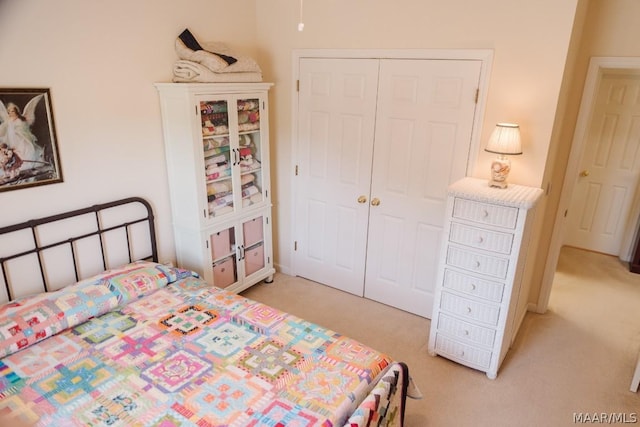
{"x": 480, "y": 297}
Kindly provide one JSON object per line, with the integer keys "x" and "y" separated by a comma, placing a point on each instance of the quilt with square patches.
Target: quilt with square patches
{"x": 189, "y": 354}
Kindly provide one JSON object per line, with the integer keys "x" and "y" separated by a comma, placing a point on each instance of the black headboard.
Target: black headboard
{"x": 77, "y": 244}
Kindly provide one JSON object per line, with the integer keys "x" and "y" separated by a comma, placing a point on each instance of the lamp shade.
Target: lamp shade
{"x": 505, "y": 139}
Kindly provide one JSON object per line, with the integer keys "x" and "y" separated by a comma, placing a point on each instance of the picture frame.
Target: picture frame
{"x": 29, "y": 154}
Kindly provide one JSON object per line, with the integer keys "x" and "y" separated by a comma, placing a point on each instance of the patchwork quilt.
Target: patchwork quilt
{"x": 149, "y": 345}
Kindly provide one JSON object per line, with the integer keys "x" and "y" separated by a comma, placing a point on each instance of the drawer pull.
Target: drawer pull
{"x": 480, "y": 239}
{"x": 469, "y": 310}
{"x": 477, "y": 264}
{"x": 473, "y": 286}
{"x": 461, "y": 353}
{"x": 485, "y": 213}
{"x": 466, "y": 332}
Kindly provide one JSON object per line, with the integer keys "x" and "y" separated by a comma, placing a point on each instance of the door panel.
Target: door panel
{"x": 609, "y": 168}
{"x": 421, "y": 114}
{"x": 335, "y": 146}
{"x": 423, "y": 136}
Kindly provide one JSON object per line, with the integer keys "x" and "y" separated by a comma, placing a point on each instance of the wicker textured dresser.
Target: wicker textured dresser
{"x": 480, "y": 297}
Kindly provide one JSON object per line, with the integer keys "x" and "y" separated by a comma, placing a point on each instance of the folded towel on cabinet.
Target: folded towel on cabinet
{"x": 187, "y": 71}
{"x": 215, "y": 160}
{"x": 245, "y": 140}
{"x": 212, "y": 62}
{"x": 216, "y": 172}
{"x": 216, "y": 56}
{"x": 217, "y": 188}
{"x": 247, "y": 179}
{"x": 250, "y": 191}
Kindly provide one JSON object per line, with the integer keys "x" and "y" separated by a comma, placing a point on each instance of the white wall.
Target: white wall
{"x": 100, "y": 59}
{"x": 529, "y": 39}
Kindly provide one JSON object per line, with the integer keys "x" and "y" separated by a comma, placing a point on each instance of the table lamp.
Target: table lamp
{"x": 504, "y": 140}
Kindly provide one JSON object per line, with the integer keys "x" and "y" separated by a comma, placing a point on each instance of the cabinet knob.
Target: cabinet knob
{"x": 584, "y": 173}
{"x": 375, "y": 202}
{"x": 362, "y": 199}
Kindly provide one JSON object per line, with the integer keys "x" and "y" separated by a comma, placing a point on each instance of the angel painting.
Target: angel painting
{"x": 27, "y": 144}
{"x": 15, "y": 131}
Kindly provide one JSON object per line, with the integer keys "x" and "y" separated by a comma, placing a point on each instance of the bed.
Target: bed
{"x": 96, "y": 332}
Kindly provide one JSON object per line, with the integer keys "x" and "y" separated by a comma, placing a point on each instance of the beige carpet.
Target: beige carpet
{"x": 577, "y": 358}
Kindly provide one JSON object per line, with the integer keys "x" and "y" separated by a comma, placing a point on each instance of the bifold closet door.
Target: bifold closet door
{"x": 336, "y": 120}
{"x": 424, "y": 122}
{"x": 379, "y": 141}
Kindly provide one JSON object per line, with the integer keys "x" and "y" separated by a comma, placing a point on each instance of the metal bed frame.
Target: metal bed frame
{"x": 100, "y": 229}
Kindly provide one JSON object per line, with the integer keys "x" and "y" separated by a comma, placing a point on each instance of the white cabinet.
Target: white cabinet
{"x": 217, "y": 148}
{"x": 480, "y": 298}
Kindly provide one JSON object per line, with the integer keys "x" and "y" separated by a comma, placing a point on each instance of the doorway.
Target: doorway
{"x": 601, "y": 211}
{"x": 597, "y": 67}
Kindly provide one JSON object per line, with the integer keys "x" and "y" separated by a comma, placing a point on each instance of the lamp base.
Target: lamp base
{"x": 500, "y": 169}
{"x": 498, "y": 184}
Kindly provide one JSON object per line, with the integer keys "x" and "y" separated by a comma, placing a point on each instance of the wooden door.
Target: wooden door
{"x": 609, "y": 167}
{"x": 423, "y": 135}
{"x": 337, "y": 102}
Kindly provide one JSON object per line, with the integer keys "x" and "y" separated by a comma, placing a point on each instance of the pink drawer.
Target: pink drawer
{"x": 252, "y": 231}
{"x": 254, "y": 259}
{"x": 221, "y": 243}
{"x": 224, "y": 273}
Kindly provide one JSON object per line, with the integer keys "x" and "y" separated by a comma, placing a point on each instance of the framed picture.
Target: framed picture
{"x": 28, "y": 144}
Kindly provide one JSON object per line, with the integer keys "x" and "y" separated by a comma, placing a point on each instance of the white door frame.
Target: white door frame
{"x": 597, "y": 65}
{"x": 483, "y": 55}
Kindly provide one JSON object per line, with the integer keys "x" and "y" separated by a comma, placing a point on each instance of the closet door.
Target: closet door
{"x": 337, "y": 102}
{"x": 423, "y": 133}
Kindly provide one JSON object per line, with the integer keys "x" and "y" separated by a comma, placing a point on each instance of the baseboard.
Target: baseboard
{"x": 283, "y": 269}
{"x": 534, "y": 308}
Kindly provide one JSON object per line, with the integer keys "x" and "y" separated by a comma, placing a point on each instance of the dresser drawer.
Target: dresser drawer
{"x": 477, "y": 262}
{"x": 481, "y": 238}
{"x": 484, "y": 213}
{"x": 469, "y": 309}
{"x": 463, "y": 353}
{"x": 470, "y": 285}
{"x": 465, "y": 331}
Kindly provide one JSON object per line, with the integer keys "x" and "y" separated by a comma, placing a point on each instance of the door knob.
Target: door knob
{"x": 375, "y": 202}
{"x": 584, "y": 173}
{"x": 362, "y": 199}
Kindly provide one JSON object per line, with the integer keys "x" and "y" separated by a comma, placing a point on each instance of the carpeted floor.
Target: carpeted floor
{"x": 566, "y": 365}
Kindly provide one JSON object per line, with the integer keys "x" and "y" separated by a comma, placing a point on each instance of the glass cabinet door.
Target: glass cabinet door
{"x": 238, "y": 251}
{"x": 232, "y": 154}
{"x": 253, "y": 254}
{"x": 224, "y": 256}
{"x": 250, "y": 151}
{"x": 218, "y": 156}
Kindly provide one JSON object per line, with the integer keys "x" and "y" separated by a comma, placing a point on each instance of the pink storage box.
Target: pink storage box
{"x": 254, "y": 259}
{"x": 252, "y": 232}
{"x": 224, "y": 273}
{"x": 221, "y": 243}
